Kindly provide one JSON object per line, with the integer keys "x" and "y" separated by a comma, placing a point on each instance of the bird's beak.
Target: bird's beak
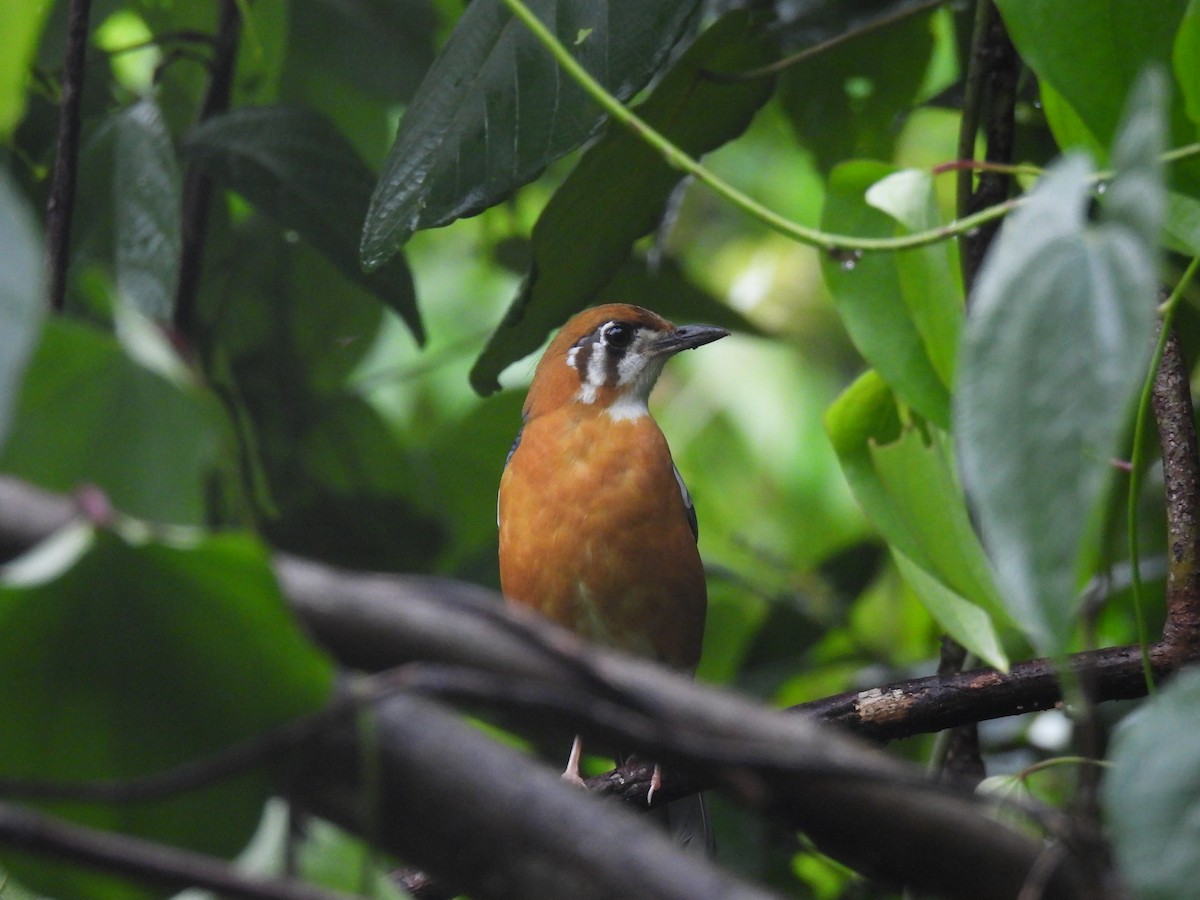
{"x": 688, "y": 337}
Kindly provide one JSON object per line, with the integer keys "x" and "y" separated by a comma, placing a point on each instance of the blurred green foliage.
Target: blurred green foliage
{"x": 328, "y": 412}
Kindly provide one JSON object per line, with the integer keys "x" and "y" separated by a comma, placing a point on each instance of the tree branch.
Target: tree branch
{"x": 921, "y": 705}
{"x": 443, "y": 786}
{"x": 197, "y": 187}
{"x": 490, "y": 820}
{"x": 1172, "y": 399}
{"x": 142, "y": 861}
{"x": 991, "y": 84}
{"x": 60, "y": 206}
{"x": 930, "y": 704}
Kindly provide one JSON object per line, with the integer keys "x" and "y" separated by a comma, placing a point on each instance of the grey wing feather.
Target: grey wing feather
{"x": 687, "y": 503}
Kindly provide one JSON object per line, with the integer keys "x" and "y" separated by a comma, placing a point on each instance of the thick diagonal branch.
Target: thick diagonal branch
{"x": 442, "y": 786}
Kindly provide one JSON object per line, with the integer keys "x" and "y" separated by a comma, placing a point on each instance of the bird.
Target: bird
{"x": 597, "y": 530}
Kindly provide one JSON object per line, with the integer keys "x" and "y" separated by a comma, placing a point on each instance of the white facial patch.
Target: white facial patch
{"x": 597, "y": 370}
{"x": 609, "y": 358}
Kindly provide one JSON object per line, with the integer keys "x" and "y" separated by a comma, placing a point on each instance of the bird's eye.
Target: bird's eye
{"x": 616, "y": 335}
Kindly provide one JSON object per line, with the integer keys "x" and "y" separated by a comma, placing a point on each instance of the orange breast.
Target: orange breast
{"x": 594, "y": 534}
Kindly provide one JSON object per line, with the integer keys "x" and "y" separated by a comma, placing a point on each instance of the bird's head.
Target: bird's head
{"x": 609, "y": 357}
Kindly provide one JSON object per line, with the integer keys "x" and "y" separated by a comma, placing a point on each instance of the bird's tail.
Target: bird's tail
{"x": 688, "y": 821}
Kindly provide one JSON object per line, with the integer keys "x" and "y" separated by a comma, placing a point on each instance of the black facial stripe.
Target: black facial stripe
{"x": 611, "y": 360}
{"x": 580, "y": 354}
{"x": 596, "y": 357}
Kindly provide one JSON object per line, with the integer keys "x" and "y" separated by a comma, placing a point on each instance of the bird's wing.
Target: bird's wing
{"x": 687, "y": 501}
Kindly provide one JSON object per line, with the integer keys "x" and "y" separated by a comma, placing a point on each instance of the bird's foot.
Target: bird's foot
{"x": 655, "y": 784}
{"x": 571, "y": 773}
{"x": 573, "y": 778}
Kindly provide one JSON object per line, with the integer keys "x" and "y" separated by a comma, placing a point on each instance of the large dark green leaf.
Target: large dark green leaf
{"x": 381, "y": 47}
{"x": 811, "y": 22}
{"x": 845, "y": 103}
{"x": 88, "y": 412}
{"x": 22, "y": 300}
{"x": 334, "y": 480}
{"x": 495, "y": 108}
{"x": 296, "y": 168}
{"x": 1054, "y": 350}
{"x": 1152, "y": 794}
{"x": 122, "y": 658}
{"x": 146, "y": 204}
{"x": 664, "y": 288}
{"x": 1090, "y": 53}
{"x": 128, "y": 213}
{"x": 618, "y": 191}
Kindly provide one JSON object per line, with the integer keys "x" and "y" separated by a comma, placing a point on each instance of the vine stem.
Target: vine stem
{"x": 822, "y": 240}
{"x": 814, "y": 237}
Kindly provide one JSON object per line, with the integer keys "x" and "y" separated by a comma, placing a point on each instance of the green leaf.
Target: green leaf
{"x": 1054, "y": 352}
{"x": 962, "y": 620}
{"x": 1068, "y": 128}
{"x": 929, "y": 276}
{"x": 903, "y": 478}
{"x": 20, "y": 25}
{"x": 147, "y": 197}
{"x": 917, "y": 472}
{"x": 295, "y": 167}
{"x": 620, "y": 188}
{"x": 1152, "y": 793}
{"x": 22, "y": 297}
{"x": 870, "y": 296}
{"x": 336, "y": 860}
{"x": 134, "y": 657}
{"x": 1181, "y": 230}
{"x": 380, "y": 47}
{"x": 1186, "y": 59}
{"x": 89, "y": 413}
{"x": 494, "y": 109}
{"x": 1092, "y": 51}
{"x": 334, "y": 479}
{"x": 842, "y": 103}
{"x": 666, "y": 289}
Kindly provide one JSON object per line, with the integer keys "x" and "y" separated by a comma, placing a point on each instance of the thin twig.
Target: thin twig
{"x": 921, "y": 705}
{"x": 958, "y": 750}
{"x": 60, "y": 207}
{"x": 253, "y": 753}
{"x": 142, "y": 861}
{"x": 968, "y": 126}
{"x": 197, "y": 187}
{"x": 825, "y": 46}
{"x": 991, "y": 86}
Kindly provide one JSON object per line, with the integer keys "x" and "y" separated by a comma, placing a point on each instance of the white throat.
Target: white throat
{"x": 627, "y": 407}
